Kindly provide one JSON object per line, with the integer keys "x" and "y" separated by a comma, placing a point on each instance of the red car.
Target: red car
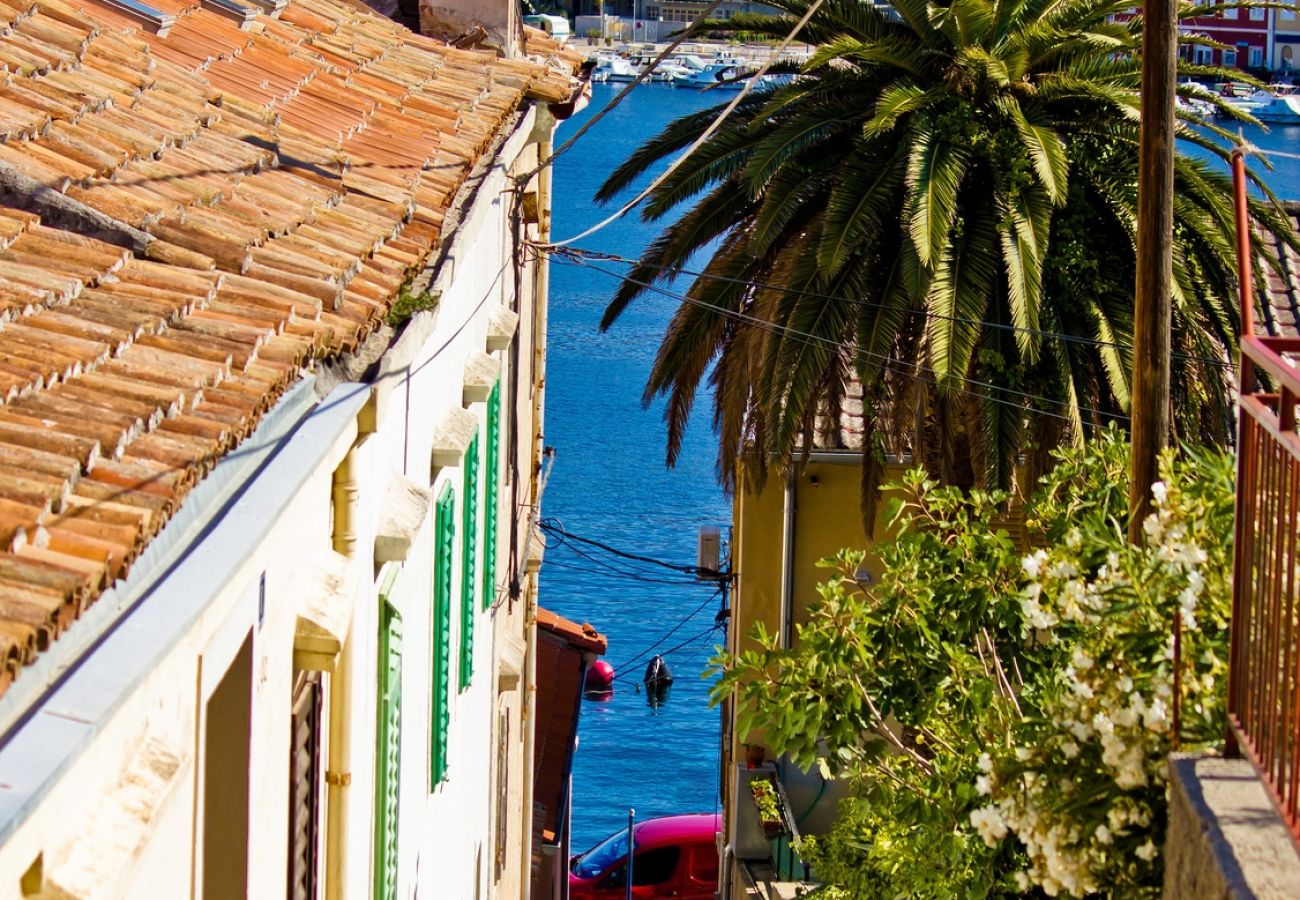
{"x": 675, "y": 856}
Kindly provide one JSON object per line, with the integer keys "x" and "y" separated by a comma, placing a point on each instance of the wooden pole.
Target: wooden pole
{"x": 1151, "y": 312}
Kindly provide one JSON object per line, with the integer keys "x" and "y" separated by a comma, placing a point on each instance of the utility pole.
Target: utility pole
{"x": 1155, "y": 234}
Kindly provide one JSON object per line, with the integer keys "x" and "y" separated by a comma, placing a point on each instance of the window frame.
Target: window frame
{"x": 491, "y": 495}
{"x": 469, "y": 553}
{"x": 444, "y": 559}
{"x": 388, "y": 743}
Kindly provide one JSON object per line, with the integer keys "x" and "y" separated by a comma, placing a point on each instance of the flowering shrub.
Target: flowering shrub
{"x": 1002, "y": 716}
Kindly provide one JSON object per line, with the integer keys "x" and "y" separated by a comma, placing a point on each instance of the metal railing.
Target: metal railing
{"x": 1264, "y": 665}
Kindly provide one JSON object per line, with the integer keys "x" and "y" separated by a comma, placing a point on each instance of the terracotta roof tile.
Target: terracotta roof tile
{"x": 1279, "y": 309}
{"x": 291, "y": 174}
{"x": 582, "y": 636}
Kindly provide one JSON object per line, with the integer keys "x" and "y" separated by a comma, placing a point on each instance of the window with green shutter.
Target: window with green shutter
{"x": 491, "y": 497}
{"x": 469, "y": 550}
{"x": 388, "y": 747}
{"x": 444, "y": 562}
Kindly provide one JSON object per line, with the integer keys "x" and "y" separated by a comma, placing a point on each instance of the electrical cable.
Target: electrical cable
{"x": 616, "y": 569}
{"x": 637, "y": 578}
{"x": 553, "y": 526}
{"x": 812, "y": 339}
{"x": 680, "y": 37}
{"x": 1054, "y": 335}
{"x": 648, "y": 650}
{"x": 690, "y": 640}
{"x": 699, "y": 141}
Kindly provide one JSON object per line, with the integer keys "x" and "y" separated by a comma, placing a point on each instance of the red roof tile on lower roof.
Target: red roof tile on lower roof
{"x": 583, "y": 637}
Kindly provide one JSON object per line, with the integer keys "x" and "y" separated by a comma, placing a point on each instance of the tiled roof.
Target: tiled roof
{"x": 1281, "y": 312}
{"x": 560, "y": 672}
{"x": 270, "y": 186}
{"x": 582, "y": 637}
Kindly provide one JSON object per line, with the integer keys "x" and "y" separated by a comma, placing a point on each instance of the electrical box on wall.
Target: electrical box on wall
{"x": 709, "y": 554}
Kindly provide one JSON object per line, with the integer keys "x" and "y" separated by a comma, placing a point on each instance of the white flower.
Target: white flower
{"x": 1102, "y": 834}
{"x": 1147, "y": 851}
{"x": 1081, "y": 660}
{"x": 1155, "y": 717}
{"x": 983, "y": 785}
{"x": 1070, "y": 749}
{"x": 985, "y": 763}
{"x": 1033, "y": 563}
{"x": 1022, "y": 882}
{"x": 1159, "y": 491}
{"x": 1024, "y": 754}
{"x": 990, "y": 824}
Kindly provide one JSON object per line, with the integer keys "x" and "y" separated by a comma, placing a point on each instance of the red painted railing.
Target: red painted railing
{"x": 1264, "y": 666}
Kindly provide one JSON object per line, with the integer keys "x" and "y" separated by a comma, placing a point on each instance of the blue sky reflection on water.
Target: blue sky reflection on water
{"x": 610, "y": 483}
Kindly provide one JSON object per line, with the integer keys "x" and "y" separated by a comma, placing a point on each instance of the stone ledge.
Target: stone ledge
{"x": 1225, "y": 838}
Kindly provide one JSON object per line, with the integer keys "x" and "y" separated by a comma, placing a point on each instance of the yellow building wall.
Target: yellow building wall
{"x": 826, "y": 497}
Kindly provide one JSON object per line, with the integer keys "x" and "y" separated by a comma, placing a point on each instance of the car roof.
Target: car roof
{"x": 699, "y": 827}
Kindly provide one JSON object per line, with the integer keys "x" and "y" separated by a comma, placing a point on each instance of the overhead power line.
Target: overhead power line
{"x": 870, "y": 304}
{"x": 622, "y": 95}
{"x": 699, "y": 141}
{"x": 889, "y": 362}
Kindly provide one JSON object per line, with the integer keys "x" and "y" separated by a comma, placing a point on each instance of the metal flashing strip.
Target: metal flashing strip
{"x": 75, "y": 689}
{"x": 236, "y": 12}
{"x": 155, "y": 21}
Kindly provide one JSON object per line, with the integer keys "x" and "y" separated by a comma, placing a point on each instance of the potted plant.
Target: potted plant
{"x": 768, "y": 805}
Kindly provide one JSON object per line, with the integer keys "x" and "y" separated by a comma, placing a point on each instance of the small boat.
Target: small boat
{"x": 1279, "y": 104}
{"x": 714, "y": 75}
{"x": 665, "y": 71}
{"x": 614, "y": 68}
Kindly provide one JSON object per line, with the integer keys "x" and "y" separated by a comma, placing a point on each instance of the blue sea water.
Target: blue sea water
{"x": 610, "y": 483}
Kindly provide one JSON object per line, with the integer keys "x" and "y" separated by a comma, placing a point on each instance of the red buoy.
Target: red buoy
{"x": 599, "y": 684}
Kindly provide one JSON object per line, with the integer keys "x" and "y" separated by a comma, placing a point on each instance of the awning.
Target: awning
{"x": 324, "y": 612}
{"x": 451, "y": 437}
{"x": 481, "y": 373}
{"x": 403, "y": 512}
{"x": 501, "y": 328}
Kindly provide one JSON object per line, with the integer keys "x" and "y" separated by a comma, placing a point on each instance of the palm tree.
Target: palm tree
{"x": 940, "y": 207}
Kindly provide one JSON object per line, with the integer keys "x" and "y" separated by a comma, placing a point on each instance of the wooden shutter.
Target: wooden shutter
{"x": 468, "y": 543}
{"x": 388, "y": 751}
{"x": 444, "y": 560}
{"x": 305, "y": 787}
{"x": 491, "y": 496}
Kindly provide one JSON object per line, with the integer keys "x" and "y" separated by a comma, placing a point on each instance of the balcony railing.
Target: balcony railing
{"x": 1264, "y": 673}
{"x": 1264, "y": 666}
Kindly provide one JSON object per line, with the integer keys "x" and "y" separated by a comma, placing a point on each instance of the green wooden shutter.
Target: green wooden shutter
{"x": 490, "y": 497}
{"x": 444, "y": 561}
{"x": 388, "y": 748}
{"x": 469, "y": 547}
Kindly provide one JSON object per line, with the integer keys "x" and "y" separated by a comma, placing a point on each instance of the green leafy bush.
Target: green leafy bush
{"x": 1002, "y": 717}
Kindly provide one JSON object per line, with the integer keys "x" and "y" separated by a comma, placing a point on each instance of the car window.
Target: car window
{"x": 651, "y": 867}
{"x": 601, "y": 856}
{"x": 704, "y": 863}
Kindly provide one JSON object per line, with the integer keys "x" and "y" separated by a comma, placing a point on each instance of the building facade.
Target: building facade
{"x": 270, "y": 451}
{"x": 1245, "y": 32}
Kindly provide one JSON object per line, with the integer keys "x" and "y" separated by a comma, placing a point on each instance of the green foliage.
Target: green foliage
{"x": 764, "y": 793}
{"x": 409, "y": 302}
{"x": 942, "y": 207}
{"x": 1002, "y": 719}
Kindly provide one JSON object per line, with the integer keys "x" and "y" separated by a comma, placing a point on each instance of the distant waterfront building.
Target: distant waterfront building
{"x": 1286, "y": 40}
{"x": 271, "y": 407}
{"x": 1246, "y": 33}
